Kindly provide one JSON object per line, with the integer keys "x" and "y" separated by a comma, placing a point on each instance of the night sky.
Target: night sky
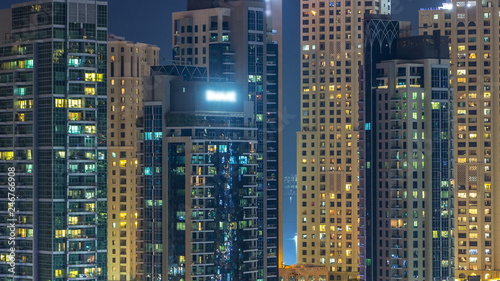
{"x": 149, "y": 21}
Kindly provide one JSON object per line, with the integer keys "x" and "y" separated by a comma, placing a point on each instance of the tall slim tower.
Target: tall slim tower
{"x": 53, "y": 59}
{"x": 472, "y": 27}
{"x": 413, "y": 228}
{"x": 238, "y": 42}
{"x": 332, "y": 42}
{"x": 128, "y": 63}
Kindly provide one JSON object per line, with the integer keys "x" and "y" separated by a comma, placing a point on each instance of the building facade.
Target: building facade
{"x": 203, "y": 153}
{"x": 472, "y": 27}
{"x": 238, "y": 42}
{"x": 332, "y": 42}
{"x": 380, "y": 43}
{"x": 414, "y": 208}
{"x": 128, "y": 63}
{"x": 303, "y": 272}
{"x": 53, "y": 57}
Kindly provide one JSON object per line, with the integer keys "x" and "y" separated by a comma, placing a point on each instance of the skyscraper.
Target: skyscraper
{"x": 128, "y": 63}
{"x": 210, "y": 224}
{"x": 472, "y": 27}
{"x": 53, "y": 57}
{"x": 412, "y": 235}
{"x": 332, "y": 42}
{"x": 238, "y": 42}
{"x": 380, "y": 37}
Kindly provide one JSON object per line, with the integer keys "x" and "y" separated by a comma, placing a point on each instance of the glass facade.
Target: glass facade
{"x": 151, "y": 198}
{"x": 54, "y": 134}
{"x": 235, "y": 42}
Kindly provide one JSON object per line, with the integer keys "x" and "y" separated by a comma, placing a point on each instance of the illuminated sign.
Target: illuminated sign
{"x": 221, "y": 96}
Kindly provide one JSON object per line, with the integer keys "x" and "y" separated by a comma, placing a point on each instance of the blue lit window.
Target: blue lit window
{"x": 223, "y": 148}
{"x": 243, "y": 160}
{"x": 148, "y": 136}
{"x": 148, "y": 171}
{"x": 157, "y": 135}
{"x": 368, "y": 126}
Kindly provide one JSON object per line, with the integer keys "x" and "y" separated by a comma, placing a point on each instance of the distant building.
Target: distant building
{"x": 128, "y": 63}
{"x": 472, "y": 28}
{"x": 53, "y": 123}
{"x": 303, "y": 273}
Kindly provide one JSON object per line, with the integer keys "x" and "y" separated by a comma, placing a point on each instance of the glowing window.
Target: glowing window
{"x": 90, "y": 91}
{"x": 24, "y": 104}
{"x": 60, "y": 102}
{"x": 75, "y": 129}
{"x": 74, "y": 116}
{"x": 6, "y": 155}
{"x": 90, "y": 129}
{"x": 75, "y": 103}
{"x": 72, "y": 220}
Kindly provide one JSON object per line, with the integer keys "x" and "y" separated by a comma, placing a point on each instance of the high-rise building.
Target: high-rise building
{"x": 332, "y": 42}
{"x": 208, "y": 144}
{"x": 380, "y": 37}
{"x": 53, "y": 59}
{"x": 238, "y": 42}
{"x": 472, "y": 27}
{"x": 128, "y": 63}
{"x": 413, "y": 219}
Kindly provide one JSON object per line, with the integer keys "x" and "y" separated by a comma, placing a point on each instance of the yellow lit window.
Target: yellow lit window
{"x": 122, "y": 91}
{"x": 90, "y": 129}
{"x": 94, "y": 77}
{"x": 123, "y": 163}
{"x": 60, "y": 103}
{"x": 472, "y": 56}
{"x": 24, "y": 104}
{"x": 461, "y": 80}
{"x": 60, "y": 233}
{"x": 58, "y": 273}
{"x": 461, "y": 48}
{"x": 75, "y": 103}
{"x": 6, "y": 155}
{"x": 90, "y": 207}
{"x": 90, "y": 91}
{"x": 74, "y": 116}
{"x": 21, "y": 117}
{"x": 72, "y": 220}
{"x": 123, "y": 216}
{"x": 123, "y": 224}
{"x": 473, "y": 211}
